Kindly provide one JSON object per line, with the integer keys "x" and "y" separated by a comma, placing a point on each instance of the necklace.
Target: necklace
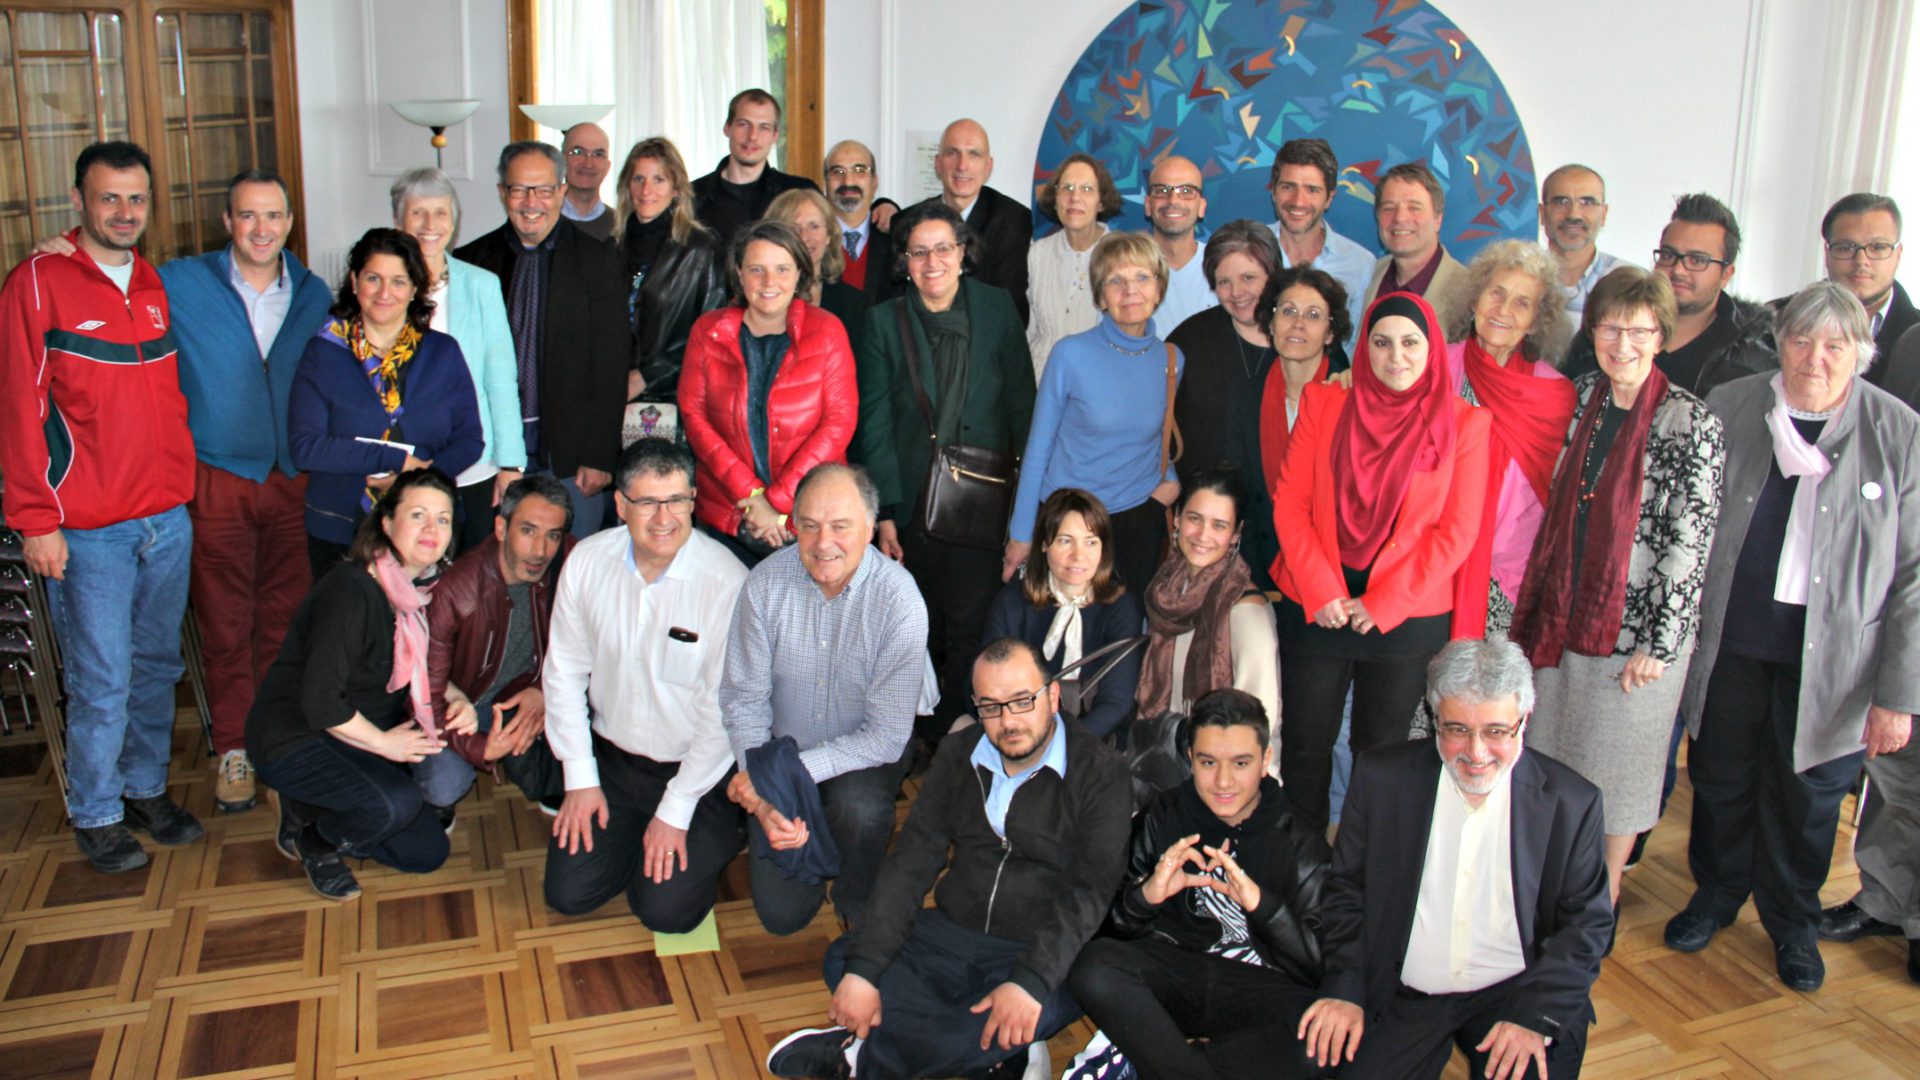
{"x": 1116, "y": 347}
{"x": 1246, "y": 367}
{"x": 1587, "y": 487}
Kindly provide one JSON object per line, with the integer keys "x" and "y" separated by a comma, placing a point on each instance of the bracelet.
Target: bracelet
{"x": 757, "y": 491}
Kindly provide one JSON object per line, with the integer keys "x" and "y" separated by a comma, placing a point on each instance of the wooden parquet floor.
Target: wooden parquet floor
{"x": 216, "y": 960}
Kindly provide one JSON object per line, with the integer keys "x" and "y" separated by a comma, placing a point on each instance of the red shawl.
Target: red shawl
{"x": 1530, "y": 418}
{"x": 1383, "y": 436}
{"x": 1274, "y": 431}
{"x": 1549, "y": 618}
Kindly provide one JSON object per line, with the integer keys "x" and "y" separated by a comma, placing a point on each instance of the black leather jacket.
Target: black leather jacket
{"x": 1289, "y": 865}
{"x": 685, "y": 281}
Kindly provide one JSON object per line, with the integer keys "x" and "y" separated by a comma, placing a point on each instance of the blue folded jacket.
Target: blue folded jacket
{"x": 779, "y": 778}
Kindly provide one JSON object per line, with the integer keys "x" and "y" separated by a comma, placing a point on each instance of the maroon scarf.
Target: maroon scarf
{"x": 1383, "y": 437}
{"x": 1180, "y": 599}
{"x": 1549, "y": 618}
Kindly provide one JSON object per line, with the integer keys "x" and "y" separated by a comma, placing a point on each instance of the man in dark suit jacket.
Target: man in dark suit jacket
{"x": 1002, "y": 228}
{"x": 851, "y": 179}
{"x": 1469, "y": 911}
{"x": 567, "y": 307}
{"x": 1861, "y": 237}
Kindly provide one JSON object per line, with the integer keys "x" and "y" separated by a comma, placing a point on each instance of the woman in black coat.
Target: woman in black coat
{"x": 1068, "y": 602}
{"x": 673, "y": 262}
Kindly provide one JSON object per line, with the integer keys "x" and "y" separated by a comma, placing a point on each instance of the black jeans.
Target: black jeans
{"x": 1151, "y": 996}
{"x": 1759, "y": 827}
{"x": 1313, "y": 694}
{"x": 324, "y": 555}
{"x": 476, "y": 515}
{"x": 859, "y": 807}
{"x": 958, "y": 584}
{"x": 370, "y": 807}
{"x": 1418, "y": 1034}
{"x": 1139, "y": 535}
{"x": 927, "y": 995}
{"x": 581, "y": 882}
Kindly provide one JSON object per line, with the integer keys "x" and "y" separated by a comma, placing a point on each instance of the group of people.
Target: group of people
{"x": 631, "y": 506}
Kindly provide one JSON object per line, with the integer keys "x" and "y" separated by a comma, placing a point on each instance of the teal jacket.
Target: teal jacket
{"x": 477, "y": 319}
{"x": 893, "y": 440}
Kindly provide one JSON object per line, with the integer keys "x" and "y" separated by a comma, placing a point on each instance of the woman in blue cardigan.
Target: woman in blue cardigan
{"x": 378, "y": 392}
{"x": 467, "y": 306}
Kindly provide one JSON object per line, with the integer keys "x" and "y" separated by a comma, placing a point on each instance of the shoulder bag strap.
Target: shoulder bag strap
{"x": 912, "y": 353}
{"x": 1170, "y": 431}
{"x": 1113, "y": 652}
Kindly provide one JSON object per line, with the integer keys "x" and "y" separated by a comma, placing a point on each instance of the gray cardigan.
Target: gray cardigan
{"x": 1863, "y": 604}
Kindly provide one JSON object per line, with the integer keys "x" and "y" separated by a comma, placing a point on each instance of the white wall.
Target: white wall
{"x": 1725, "y": 96}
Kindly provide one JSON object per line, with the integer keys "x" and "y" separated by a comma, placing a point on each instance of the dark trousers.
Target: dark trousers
{"x": 1139, "y": 535}
{"x": 1313, "y": 695}
{"x": 1759, "y": 827}
{"x": 859, "y": 808}
{"x": 958, "y": 584}
{"x": 1149, "y": 997}
{"x": 581, "y": 882}
{"x": 1418, "y": 1034}
{"x": 323, "y": 555}
{"x": 476, "y": 515}
{"x": 247, "y": 579}
{"x": 927, "y": 995}
{"x": 366, "y": 805}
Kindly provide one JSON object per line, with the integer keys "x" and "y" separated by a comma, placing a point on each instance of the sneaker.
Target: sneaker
{"x": 233, "y": 783}
{"x": 326, "y": 871}
{"x": 445, "y": 816}
{"x": 162, "y": 819}
{"x": 111, "y": 848}
{"x": 1101, "y": 1060}
{"x": 818, "y": 1052}
{"x": 550, "y": 805}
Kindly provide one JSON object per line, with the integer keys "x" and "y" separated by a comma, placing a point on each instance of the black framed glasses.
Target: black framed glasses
{"x": 1693, "y": 260}
{"x": 1845, "y": 250}
{"x": 1183, "y": 192}
{"x": 838, "y": 171}
{"x": 988, "y": 710}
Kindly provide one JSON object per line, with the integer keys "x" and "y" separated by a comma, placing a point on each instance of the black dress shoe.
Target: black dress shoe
{"x": 1800, "y": 966}
{"x": 111, "y": 848}
{"x": 162, "y": 819}
{"x": 812, "y": 1052}
{"x": 1690, "y": 931}
{"x": 1850, "y": 922}
{"x": 1913, "y": 959}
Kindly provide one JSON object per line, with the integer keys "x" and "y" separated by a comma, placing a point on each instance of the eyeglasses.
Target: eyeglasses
{"x": 987, "y": 710}
{"x": 838, "y": 171}
{"x": 1077, "y": 189}
{"x": 1142, "y": 281}
{"x": 1492, "y": 736}
{"x": 1562, "y": 202}
{"x": 1845, "y": 250}
{"x": 1695, "y": 260}
{"x": 942, "y": 250}
{"x": 1183, "y": 192}
{"x": 1609, "y": 333}
{"x": 675, "y": 504}
{"x": 1312, "y": 314}
{"x": 581, "y": 151}
{"x": 538, "y": 191}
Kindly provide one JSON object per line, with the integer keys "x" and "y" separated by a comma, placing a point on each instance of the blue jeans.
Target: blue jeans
{"x": 117, "y": 616}
{"x": 443, "y": 777}
{"x": 590, "y": 512}
{"x": 368, "y": 806}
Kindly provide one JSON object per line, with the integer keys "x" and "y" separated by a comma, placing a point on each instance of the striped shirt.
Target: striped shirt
{"x": 842, "y": 676}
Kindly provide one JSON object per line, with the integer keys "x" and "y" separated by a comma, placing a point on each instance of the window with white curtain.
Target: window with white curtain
{"x": 668, "y": 67}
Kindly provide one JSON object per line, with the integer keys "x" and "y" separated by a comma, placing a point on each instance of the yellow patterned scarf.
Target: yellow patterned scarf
{"x": 384, "y": 372}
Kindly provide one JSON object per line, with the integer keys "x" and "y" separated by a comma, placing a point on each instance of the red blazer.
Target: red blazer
{"x": 1438, "y": 522}
{"x": 811, "y": 408}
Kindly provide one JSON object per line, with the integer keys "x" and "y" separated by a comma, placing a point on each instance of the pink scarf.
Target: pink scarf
{"x": 409, "y": 636}
{"x": 1798, "y": 459}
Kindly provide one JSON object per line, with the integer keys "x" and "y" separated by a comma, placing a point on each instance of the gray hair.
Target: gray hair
{"x": 869, "y": 495}
{"x": 652, "y": 457}
{"x": 423, "y": 184}
{"x": 1473, "y": 672}
{"x": 538, "y": 485}
{"x": 1827, "y": 305}
{"x": 532, "y": 146}
{"x": 1548, "y": 338}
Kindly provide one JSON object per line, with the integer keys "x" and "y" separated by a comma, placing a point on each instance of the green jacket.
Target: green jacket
{"x": 893, "y": 440}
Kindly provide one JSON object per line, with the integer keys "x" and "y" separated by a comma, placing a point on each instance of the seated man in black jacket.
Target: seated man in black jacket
{"x": 1217, "y": 934}
{"x": 1035, "y": 810}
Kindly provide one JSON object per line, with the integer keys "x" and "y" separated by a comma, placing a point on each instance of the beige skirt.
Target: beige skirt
{"x": 1617, "y": 740}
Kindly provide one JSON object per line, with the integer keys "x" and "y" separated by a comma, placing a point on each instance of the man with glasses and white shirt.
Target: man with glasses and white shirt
{"x": 1573, "y": 210}
{"x": 1467, "y": 906}
{"x": 1175, "y": 204}
{"x": 632, "y": 680}
{"x": 585, "y": 148}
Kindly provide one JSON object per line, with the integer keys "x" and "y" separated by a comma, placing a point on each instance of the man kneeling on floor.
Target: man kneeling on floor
{"x": 1217, "y": 936}
{"x": 1035, "y": 810}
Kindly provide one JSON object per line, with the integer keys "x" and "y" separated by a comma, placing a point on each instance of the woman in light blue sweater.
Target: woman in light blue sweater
{"x": 467, "y": 306}
{"x": 1097, "y": 418}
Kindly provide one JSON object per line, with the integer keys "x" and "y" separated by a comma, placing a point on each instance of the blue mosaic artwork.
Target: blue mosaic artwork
{"x": 1225, "y": 82}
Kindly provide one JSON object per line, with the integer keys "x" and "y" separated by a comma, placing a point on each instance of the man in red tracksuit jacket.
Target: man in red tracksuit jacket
{"x": 98, "y": 465}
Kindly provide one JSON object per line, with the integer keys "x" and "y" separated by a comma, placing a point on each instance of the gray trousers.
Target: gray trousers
{"x": 1888, "y": 845}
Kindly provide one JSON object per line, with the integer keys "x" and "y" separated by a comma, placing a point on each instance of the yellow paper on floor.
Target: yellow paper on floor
{"x": 702, "y": 938}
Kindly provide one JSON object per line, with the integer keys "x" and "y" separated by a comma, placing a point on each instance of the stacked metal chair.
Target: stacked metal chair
{"x": 29, "y": 659}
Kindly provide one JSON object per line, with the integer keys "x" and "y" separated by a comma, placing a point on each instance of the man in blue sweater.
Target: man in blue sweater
{"x": 242, "y": 315}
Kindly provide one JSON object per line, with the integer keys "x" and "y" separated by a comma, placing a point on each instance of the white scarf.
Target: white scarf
{"x": 1066, "y": 625}
{"x": 1797, "y": 459}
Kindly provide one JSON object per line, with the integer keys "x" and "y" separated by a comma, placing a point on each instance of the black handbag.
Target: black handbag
{"x": 968, "y": 497}
{"x": 1076, "y": 695}
{"x": 1157, "y": 755}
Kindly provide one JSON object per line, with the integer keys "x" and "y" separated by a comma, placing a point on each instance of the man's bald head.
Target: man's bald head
{"x": 965, "y": 162}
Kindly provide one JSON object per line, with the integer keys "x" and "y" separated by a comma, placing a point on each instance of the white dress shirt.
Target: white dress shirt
{"x": 1350, "y": 263}
{"x": 616, "y": 654}
{"x": 1466, "y": 931}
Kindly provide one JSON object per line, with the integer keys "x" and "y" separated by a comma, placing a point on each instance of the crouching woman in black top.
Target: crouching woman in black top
{"x": 1216, "y": 933}
{"x": 344, "y": 709}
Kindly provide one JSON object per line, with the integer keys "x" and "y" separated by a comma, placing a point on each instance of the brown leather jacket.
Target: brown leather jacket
{"x": 467, "y": 633}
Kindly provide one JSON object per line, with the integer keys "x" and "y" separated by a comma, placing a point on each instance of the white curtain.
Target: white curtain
{"x": 1868, "y": 48}
{"x": 668, "y": 67}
